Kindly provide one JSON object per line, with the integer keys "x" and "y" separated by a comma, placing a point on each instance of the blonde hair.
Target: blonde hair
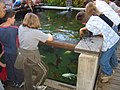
{"x": 107, "y": 1}
{"x": 91, "y": 9}
{"x": 31, "y": 20}
{"x": 2, "y": 11}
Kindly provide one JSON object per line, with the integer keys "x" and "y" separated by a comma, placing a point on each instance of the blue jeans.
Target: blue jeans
{"x": 115, "y": 28}
{"x": 108, "y": 60}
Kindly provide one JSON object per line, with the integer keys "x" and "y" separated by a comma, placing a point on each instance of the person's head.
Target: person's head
{"x": 9, "y": 16}
{"x": 2, "y": 9}
{"x": 82, "y": 17}
{"x": 107, "y": 1}
{"x": 91, "y": 9}
{"x": 85, "y": 2}
{"x": 31, "y": 20}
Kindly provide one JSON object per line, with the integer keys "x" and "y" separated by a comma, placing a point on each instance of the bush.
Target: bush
{"x": 75, "y": 3}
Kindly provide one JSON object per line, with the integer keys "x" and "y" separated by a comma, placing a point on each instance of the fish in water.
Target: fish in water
{"x": 69, "y": 75}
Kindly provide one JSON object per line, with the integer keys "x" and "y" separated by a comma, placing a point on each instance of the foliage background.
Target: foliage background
{"x": 75, "y": 3}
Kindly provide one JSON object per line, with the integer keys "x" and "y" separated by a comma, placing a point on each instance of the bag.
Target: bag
{"x": 106, "y": 19}
{"x": 110, "y": 23}
{"x": 3, "y": 70}
{"x": 3, "y": 74}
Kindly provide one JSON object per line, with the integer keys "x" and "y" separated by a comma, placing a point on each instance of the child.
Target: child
{"x": 29, "y": 57}
{"x": 82, "y": 14}
{"x": 108, "y": 60}
{"x": 8, "y": 36}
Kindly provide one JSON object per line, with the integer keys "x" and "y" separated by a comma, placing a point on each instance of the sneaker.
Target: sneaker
{"x": 14, "y": 84}
{"x": 42, "y": 87}
{"x": 105, "y": 78}
{"x": 21, "y": 85}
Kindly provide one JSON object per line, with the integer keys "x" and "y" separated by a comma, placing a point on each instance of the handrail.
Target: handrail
{"x": 61, "y": 44}
{"x": 70, "y": 8}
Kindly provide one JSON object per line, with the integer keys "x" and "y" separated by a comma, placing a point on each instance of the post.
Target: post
{"x": 88, "y": 62}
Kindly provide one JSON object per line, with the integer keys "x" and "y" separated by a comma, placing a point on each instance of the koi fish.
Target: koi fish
{"x": 69, "y": 75}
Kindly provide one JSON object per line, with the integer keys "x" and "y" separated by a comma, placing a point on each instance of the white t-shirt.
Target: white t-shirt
{"x": 29, "y": 38}
{"x": 104, "y": 8}
{"x": 97, "y": 26}
{"x": 114, "y": 7}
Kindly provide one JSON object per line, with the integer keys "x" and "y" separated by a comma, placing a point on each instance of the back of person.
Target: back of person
{"x": 104, "y": 8}
{"x": 8, "y": 38}
{"x": 31, "y": 40}
{"x": 109, "y": 35}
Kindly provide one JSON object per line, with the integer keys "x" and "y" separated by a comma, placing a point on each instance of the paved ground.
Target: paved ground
{"x": 13, "y": 88}
{"x": 8, "y": 86}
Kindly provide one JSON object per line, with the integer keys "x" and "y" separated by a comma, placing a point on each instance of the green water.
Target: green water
{"x": 52, "y": 20}
{"x": 60, "y": 61}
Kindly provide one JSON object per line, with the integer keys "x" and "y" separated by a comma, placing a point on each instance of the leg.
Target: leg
{"x": 20, "y": 77}
{"x": 10, "y": 60}
{"x": 28, "y": 77}
{"x": 42, "y": 71}
{"x": 113, "y": 59}
{"x": 105, "y": 60}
